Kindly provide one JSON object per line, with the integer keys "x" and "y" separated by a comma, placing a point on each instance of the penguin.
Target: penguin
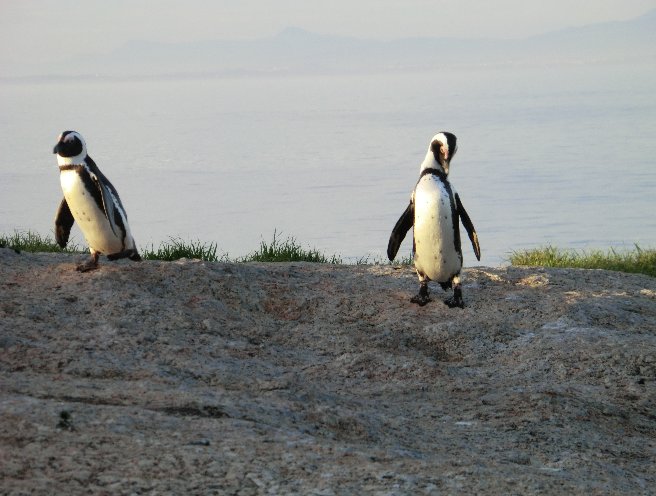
{"x": 91, "y": 201}
{"x": 435, "y": 212}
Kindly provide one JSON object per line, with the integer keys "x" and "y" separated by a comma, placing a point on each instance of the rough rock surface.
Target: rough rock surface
{"x": 212, "y": 378}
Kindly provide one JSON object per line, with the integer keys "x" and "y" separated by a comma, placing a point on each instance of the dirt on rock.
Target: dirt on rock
{"x": 192, "y": 377}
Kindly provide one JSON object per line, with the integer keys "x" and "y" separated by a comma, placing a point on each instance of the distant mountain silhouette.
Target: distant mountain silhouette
{"x": 295, "y": 50}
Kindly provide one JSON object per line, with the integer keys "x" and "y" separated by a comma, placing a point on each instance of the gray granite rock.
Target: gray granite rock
{"x": 210, "y": 378}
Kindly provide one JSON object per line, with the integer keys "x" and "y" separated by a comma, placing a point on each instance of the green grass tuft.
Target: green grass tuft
{"x": 383, "y": 260}
{"x": 638, "y": 260}
{"x": 287, "y": 251}
{"x": 407, "y": 260}
{"x": 32, "y": 242}
{"x": 176, "y": 249}
{"x": 278, "y": 250}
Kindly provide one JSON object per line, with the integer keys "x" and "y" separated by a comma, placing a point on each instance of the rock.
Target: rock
{"x": 196, "y": 378}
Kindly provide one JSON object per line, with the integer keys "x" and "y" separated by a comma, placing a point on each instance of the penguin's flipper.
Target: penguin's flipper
{"x": 63, "y": 222}
{"x": 108, "y": 205}
{"x": 107, "y": 193}
{"x": 469, "y": 227}
{"x": 401, "y": 228}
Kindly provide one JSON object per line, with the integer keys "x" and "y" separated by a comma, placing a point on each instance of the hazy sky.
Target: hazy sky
{"x": 37, "y": 31}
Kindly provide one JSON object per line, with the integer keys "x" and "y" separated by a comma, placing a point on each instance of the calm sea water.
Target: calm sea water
{"x": 547, "y": 155}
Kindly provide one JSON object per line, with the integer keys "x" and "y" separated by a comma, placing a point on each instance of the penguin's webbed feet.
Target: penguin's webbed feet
{"x": 131, "y": 254}
{"x": 91, "y": 264}
{"x": 421, "y": 298}
{"x": 456, "y": 300}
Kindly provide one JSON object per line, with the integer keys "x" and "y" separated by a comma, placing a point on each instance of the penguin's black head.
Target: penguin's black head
{"x": 444, "y": 146}
{"x": 69, "y": 144}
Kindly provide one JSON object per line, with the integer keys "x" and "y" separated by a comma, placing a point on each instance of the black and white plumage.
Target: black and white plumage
{"x": 435, "y": 212}
{"x": 91, "y": 201}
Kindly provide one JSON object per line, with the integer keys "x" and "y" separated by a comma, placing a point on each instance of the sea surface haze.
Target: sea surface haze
{"x": 560, "y": 155}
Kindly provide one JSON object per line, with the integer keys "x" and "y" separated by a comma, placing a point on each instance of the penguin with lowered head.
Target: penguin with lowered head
{"x": 435, "y": 212}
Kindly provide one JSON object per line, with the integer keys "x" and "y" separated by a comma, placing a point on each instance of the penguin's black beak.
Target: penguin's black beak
{"x": 56, "y": 148}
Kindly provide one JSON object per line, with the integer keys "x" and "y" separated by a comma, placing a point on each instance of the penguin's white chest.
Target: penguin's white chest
{"x": 436, "y": 255}
{"x": 89, "y": 217}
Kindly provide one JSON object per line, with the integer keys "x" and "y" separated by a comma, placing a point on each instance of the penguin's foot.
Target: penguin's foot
{"x": 91, "y": 264}
{"x": 132, "y": 254}
{"x": 421, "y": 298}
{"x": 456, "y": 300}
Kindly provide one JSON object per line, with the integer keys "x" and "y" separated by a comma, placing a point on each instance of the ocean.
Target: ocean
{"x": 560, "y": 155}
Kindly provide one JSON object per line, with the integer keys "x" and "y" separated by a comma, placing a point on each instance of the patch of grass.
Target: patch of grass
{"x": 637, "y": 260}
{"x": 278, "y": 250}
{"x": 287, "y": 251}
{"x": 32, "y": 242}
{"x": 407, "y": 260}
{"x": 176, "y": 249}
{"x": 378, "y": 260}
